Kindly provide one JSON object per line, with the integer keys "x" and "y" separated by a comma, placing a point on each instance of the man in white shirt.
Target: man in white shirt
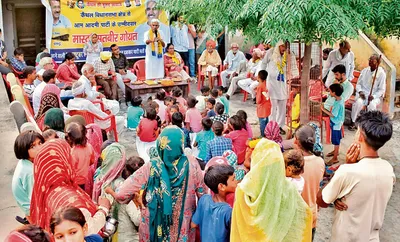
{"x": 231, "y": 63}
{"x": 274, "y": 62}
{"x": 180, "y": 39}
{"x": 49, "y": 76}
{"x": 363, "y": 89}
{"x": 155, "y": 44}
{"x": 151, "y": 13}
{"x": 343, "y": 56}
{"x": 90, "y": 87}
{"x": 339, "y": 72}
{"x": 361, "y": 189}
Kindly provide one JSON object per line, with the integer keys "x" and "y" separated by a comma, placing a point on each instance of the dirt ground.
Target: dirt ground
{"x": 391, "y": 229}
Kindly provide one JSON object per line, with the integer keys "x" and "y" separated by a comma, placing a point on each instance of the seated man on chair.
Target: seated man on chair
{"x": 364, "y": 97}
{"x": 80, "y": 103}
{"x": 231, "y": 63}
{"x": 121, "y": 67}
{"x": 210, "y": 61}
{"x": 102, "y": 66}
{"x": 92, "y": 94}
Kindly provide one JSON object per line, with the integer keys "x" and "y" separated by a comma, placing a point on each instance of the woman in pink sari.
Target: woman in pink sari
{"x": 67, "y": 72}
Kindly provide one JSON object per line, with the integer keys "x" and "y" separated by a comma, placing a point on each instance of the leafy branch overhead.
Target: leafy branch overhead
{"x": 305, "y": 20}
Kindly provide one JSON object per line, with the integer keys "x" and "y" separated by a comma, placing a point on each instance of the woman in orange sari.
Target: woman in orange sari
{"x": 55, "y": 187}
{"x": 174, "y": 63}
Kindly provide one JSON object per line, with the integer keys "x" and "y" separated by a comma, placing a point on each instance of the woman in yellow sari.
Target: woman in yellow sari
{"x": 174, "y": 63}
{"x": 267, "y": 206}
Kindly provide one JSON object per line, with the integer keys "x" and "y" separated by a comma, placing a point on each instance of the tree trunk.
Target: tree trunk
{"x": 305, "y": 80}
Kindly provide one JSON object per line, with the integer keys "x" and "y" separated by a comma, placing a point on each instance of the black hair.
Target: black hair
{"x": 176, "y": 92}
{"x": 75, "y": 134}
{"x": 263, "y": 74}
{"x": 191, "y": 101}
{"x": 136, "y": 101}
{"x": 211, "y": 100}
{"x": 337, "y": 89}
{"x": 175, "y": 107}
{"x": 18, "y": 51}
{"x": 112, "y": 46}
{"x": 217, "y": 174}
{"x": 218, "y": 128}
{"x": 44, "y": 54}
{"x": 221, "y": 88}
{"x": 160, "y": 95}
{"x": 23, "y": 143}
{"x": 132, "y": 164}
{"x": 340, "y": 69}
{"x": 177, "y": 119}
{"x": 153, "y": 104}
{"x": 219, "y": 108}
{"x": 169, "y": 99}
{"x": 48, "y": 133}
{"x": 376, "y": 128}
{"x": 242, "y": 114}
{"x": 28, "y": 70}
{"x": 69, "y": 213}
{"x": 205, "y": 89}
{"x": 305, "y": 134}
{"x": 214, "y": 93}
{"x": 48, "y": 75}
{"x": 295, "y": 159}
{"x": 236, "y": 122}
{"x": 168, "y": 45}
{"x": 206, "y": 123}
{"x": 151, "y": 113}
{"x": 34, "y": 233}
{"x": 327, "y": 51}
{"x": 69, "y": 56}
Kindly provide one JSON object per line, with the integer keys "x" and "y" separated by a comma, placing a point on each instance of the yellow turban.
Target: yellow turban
{"x": 105, "y": 55}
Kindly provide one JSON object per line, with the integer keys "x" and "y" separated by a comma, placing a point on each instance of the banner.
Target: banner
{"x": 70, "y": 23}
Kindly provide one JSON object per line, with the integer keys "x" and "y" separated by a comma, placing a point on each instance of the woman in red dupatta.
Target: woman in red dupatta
{"x": 55, "y": 187}
{"x": 95, "y": 138}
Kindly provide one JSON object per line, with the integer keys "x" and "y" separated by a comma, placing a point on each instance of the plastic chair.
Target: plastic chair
{"x": 139, "y": 68}
{"x": 90, "y": 119}
{"x": 17, "y": 73}
{"x": 18, "y": 110}
{"x": 12, "y": 79}
{"x": 202, "y": 76}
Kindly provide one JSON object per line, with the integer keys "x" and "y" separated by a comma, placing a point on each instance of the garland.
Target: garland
{"x": 153, "y": 47}
{"x": 281, "y": 65}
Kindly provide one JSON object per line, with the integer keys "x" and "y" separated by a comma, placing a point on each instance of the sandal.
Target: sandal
{"x": 330, "y": 154}
{"x": 352, "y": 128}
{"x": 332, "y": 162}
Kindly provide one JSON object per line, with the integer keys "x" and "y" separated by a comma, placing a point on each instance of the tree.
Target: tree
{"x": 306, "y": 21}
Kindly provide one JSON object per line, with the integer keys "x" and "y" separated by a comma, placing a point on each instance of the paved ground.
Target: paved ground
{"x": 8, "y": 132}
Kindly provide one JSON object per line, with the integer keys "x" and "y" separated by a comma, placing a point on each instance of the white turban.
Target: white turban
{"x": 258, "y": 52}
{"x": 78, "y": 88}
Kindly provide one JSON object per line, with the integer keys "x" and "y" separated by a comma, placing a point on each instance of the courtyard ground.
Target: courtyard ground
{"x": 8, "y": 132}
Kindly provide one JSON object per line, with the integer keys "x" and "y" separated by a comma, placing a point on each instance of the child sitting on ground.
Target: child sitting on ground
{"x": 219, "y": 144}
{"x": 177, "y": 93}
{"x": 160, "y": 97}
{"x": 169, "y": 102}
{"x": 193, "y": 116}
{"x": 177, "y": 119}
{"x": 238, "y": 135}
{"x": 147, "y": 133}
{"x": 220, "y": 115}
{"x": 82, "y": 153}
{"x": 154, "y": 105}
{"x": 222, "y": 98}
{"x": 134, "y": 113}
{"x": 213, "y": 213}
{"x": 337, "y": 115}
{"x": 205, "y": 93}
{"x": 50, "y": 134}
{"x": 203, "y": 137}
{"x": 243, "y": 115}
{"x": 209, "y": 111}
{"x": 26, "y": 146}
{"x": 294, "y": 163}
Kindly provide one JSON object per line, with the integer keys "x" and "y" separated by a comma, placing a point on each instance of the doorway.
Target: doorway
{"x": 31, "y": 37}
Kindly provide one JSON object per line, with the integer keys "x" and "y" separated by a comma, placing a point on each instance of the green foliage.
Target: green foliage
{"x": 304, "y": 20}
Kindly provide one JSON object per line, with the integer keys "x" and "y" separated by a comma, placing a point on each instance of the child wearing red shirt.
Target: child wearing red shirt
{"x": 262, "y": 100}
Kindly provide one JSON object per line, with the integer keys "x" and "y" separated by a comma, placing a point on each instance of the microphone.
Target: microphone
{"x": 156, "y": 33}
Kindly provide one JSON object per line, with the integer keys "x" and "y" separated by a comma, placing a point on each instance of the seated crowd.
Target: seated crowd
{"x": 198, "y": 168}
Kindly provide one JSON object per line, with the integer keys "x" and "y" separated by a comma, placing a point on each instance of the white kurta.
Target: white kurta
{"x": 154, "y": 65}
{"x": 334, "y": 59}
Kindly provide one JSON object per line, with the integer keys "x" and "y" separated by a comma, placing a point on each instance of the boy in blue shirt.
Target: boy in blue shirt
{"x": 203, "y": 137}
{"x": 336, "y": 115}
{"x": 213, "y": 214}
{"x": 134, "y": 113}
